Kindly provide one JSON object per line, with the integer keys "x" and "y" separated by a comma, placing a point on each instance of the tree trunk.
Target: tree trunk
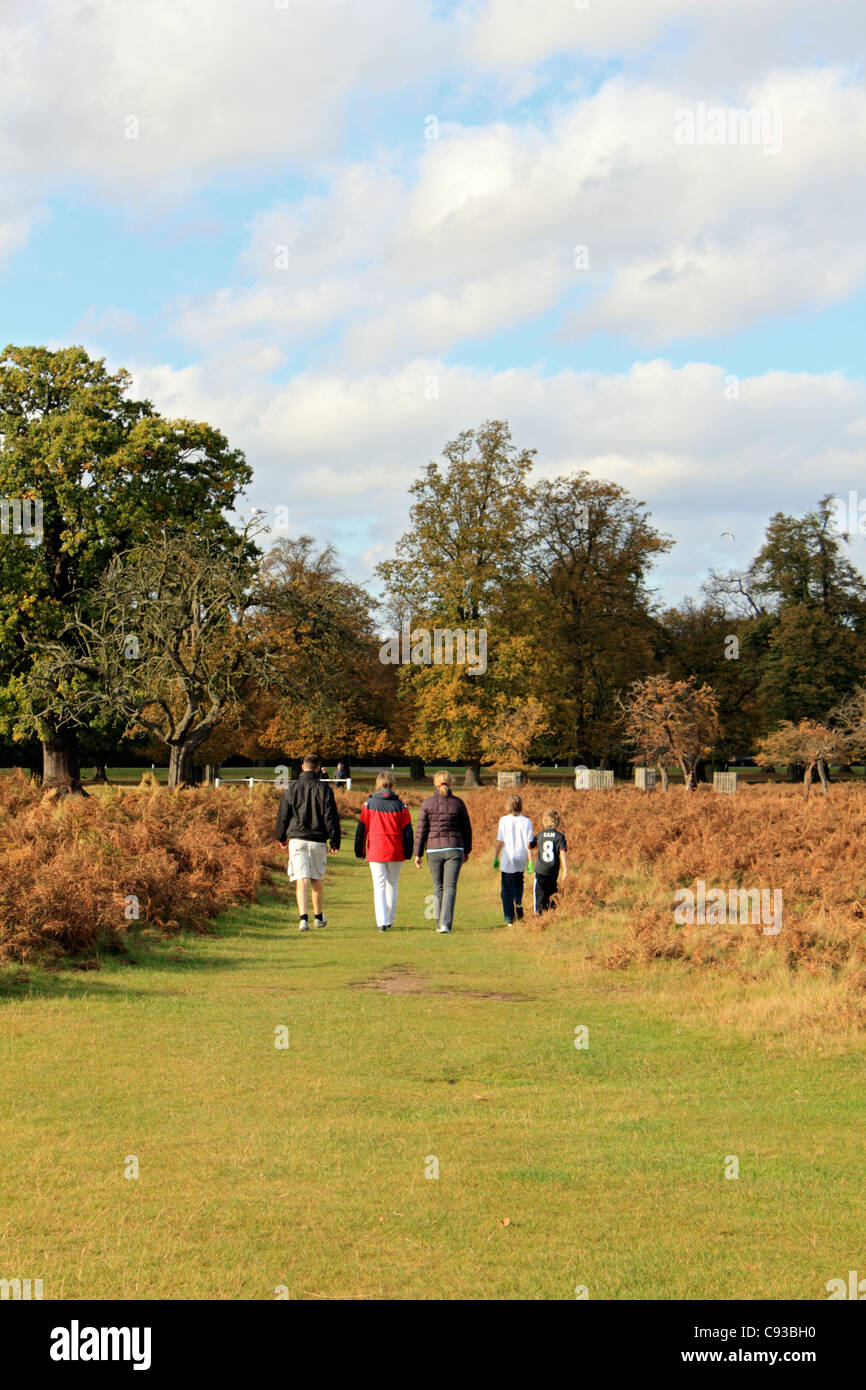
{"x": 663, "y": 774}
{"x": 416, "y": 769}
{"x": 181, "y": 772}
{"x": 473, "y": 775}
{"x": 807, "y": 780}
{"x": 690, "y": 777}
{"x": 100, "y": 776}
{"x": 61, "y": 775}
{"x": 822, "y": 773}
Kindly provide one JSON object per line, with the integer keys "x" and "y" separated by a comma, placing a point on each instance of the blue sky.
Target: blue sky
{"x": 450, "y": 261}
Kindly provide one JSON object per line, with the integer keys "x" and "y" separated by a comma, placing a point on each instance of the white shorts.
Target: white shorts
{"x": 307, "y": 859}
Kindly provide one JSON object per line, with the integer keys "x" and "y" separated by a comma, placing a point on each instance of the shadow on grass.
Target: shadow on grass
{"x": 107, "y": 975}
{"x": 113, "y": 972}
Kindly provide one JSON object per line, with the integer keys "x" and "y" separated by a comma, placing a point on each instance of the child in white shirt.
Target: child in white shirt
{"x": 512, "y": 857}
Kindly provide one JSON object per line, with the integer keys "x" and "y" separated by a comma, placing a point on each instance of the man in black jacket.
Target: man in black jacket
{"x": 306, "y": 822}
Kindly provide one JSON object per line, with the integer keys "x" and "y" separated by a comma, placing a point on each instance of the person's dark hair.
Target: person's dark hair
{"x": 311, "y": 762}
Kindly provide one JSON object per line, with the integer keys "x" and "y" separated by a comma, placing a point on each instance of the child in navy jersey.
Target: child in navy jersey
{"x": 550, "y": 847}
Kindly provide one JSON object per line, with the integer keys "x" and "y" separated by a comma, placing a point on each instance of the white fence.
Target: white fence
{"x": 271, "y": 781}
{"x": 725, "y": 782}
{"x": 645, "y": 778}
{"x": 592, "y": 779}
{"x": 510, "y": 779}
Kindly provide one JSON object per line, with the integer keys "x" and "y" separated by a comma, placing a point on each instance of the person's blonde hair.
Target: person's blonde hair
{"x": 550, "y": 819}
{"x": 385, "y": 779}
{"x": 442, "y": 783}
{"x": 514, "y": 804}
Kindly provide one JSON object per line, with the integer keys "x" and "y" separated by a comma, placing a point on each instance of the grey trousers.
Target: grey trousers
{"x": 445, "y": 869}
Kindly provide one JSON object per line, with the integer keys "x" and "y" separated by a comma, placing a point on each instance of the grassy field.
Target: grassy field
{"x": 304, "y": 1168}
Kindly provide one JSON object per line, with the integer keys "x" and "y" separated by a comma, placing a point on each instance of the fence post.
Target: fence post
{"x": 645, "y": 778}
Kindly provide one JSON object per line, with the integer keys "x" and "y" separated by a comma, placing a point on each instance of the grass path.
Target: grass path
{"x": 304, "y": 1167}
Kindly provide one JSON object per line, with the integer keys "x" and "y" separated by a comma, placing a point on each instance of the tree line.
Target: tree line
{"x": 143, "y": 616}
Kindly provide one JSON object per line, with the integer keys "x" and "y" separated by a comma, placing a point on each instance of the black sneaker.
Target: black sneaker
{"x": 518, "y": 912}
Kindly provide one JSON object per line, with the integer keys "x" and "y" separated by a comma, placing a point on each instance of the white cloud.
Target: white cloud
{"x": 423, "y": 245}
{"x": 212, "y": 84}
{"x": 719, "y": 40}
{"x": 341, "y": 450}
{"x": 480, "y": 232}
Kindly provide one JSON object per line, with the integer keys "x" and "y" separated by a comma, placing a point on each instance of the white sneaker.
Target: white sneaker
{"x": 322, "y": 923}
{"x": 304, "y": 926}
{"x": 444, "y": 929}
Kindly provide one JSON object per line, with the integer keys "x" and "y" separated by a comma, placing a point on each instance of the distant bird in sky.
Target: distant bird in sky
{"x": 729, "y": 533}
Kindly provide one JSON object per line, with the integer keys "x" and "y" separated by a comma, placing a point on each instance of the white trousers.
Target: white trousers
{"x": 385, "y": 878}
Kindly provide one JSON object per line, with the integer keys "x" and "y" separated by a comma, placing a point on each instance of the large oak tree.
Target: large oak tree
{"x": 108, "y": 471}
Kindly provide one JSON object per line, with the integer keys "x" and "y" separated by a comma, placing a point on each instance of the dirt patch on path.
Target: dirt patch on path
{"x": 405, "y": 979}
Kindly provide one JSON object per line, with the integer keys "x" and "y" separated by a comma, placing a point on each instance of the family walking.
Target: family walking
{"x": 308, "y": 826}
{"x": 384, "y": 838}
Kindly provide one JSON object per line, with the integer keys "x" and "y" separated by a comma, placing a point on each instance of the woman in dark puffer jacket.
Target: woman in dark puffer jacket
{"x": 446, "y": 832}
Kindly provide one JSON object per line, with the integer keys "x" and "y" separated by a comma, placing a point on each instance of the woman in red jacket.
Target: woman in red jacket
{"x": 384, "y": 834}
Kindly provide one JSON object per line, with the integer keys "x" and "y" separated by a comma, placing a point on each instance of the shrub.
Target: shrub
{"x": 69, "y": 868}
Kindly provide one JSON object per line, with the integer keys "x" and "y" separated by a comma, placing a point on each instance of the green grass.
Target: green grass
{"x": 305, "y": 1167}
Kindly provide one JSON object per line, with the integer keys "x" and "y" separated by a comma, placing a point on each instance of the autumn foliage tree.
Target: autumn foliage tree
{"x": 808, "y": 743}
{"x": 169, "y": 645}
{"x": 513, "y": 732}
{"x": 671, "y": 721}
{"x": 332, "y": 693}
{"x": 460, "y": 566}
{"x": 590, "y": 551}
